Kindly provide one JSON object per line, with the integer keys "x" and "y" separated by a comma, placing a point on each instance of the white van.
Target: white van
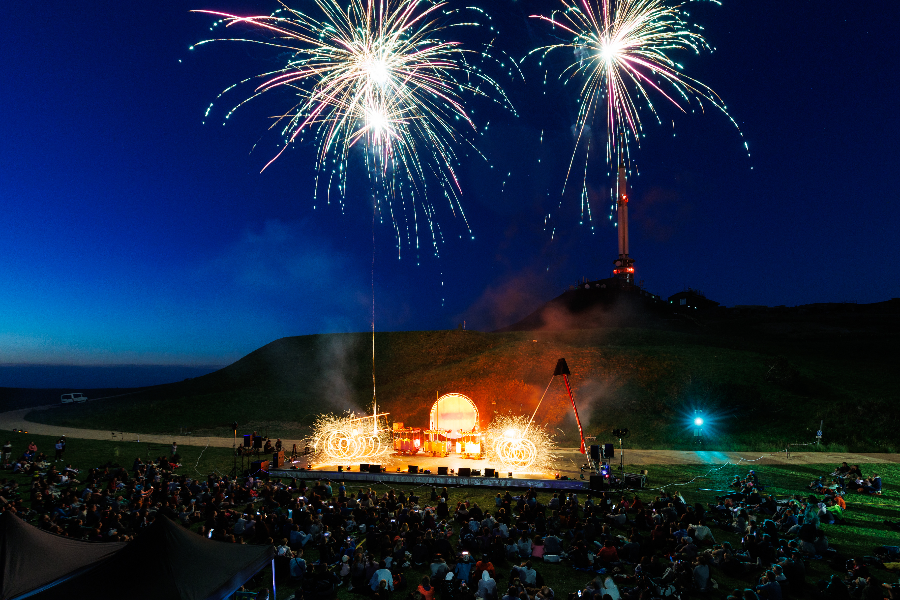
{"x": 72, "y": 398}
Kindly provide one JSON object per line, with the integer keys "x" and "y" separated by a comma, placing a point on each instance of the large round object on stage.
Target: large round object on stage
{"x": 454, "y": 412}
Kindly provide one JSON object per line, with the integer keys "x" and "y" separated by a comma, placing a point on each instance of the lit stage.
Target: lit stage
{"x": 513, "y": 451}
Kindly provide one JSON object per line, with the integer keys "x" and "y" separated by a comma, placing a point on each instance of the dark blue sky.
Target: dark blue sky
{"x": 133, "y": 233}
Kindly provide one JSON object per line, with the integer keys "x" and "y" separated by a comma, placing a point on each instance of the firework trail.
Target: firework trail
{"x": 621, "y": 51}
{"x": 376, "y": 74}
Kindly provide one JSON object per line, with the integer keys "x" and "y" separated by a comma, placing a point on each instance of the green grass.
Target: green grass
{"x": 864, "y": 528}
{"x": 83, "y": 454}
{"x": 646, "y": 380}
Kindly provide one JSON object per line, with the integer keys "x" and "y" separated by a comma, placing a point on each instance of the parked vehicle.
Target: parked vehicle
{"x": 73, "y": 398}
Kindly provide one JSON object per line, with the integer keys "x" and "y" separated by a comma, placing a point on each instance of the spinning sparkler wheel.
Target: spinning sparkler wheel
{"x": 348, "y": 438}
{"x": 344, "y": 445}
{"x": 516, "y": 453}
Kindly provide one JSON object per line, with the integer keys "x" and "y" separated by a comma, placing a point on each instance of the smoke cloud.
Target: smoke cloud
{"x": 505, "y": 303}
{"x": 339, "y": 368}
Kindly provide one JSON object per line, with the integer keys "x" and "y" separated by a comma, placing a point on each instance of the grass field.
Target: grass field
{"x": 758, "y": 391}
{"x": 863, "y": 530}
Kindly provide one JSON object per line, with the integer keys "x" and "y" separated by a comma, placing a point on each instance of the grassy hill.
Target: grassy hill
{"x": 763, "y": 379}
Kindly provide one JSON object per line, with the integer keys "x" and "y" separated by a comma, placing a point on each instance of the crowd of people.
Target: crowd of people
{"x": 847, "y": 478}
{"x": 388, "y": 542}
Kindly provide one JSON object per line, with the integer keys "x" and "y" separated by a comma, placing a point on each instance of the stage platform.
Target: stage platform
{"x": 396, "y": 471}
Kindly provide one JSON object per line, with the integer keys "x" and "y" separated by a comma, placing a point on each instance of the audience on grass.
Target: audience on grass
{"x": 372, "y": 540}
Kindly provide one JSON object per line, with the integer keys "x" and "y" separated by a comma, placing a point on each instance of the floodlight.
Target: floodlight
{"x": 698, "y": 421}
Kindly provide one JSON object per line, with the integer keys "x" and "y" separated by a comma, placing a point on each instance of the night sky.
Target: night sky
{"x": 132, "y": 233}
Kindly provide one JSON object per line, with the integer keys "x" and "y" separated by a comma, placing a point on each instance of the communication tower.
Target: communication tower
{"x": 624, "y": 264}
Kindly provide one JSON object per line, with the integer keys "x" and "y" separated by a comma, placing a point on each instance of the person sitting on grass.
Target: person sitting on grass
{"x": 526, "y": 574}
{"x": 463, "y": 568}
{"x": 439, "y": 568}
{"x": 297, "y": 566}
{"x": 768, "y": 587}
{"x": 425, "y": 588}
{"x": 487, "y": 587}
{"x": 702, "y": 533}
{"x": 537, "y": 548}
{"x": 380, "y": 576}
{"x": 831, "y": 513}
{"x": 524, "y": 546}
{"x": 344, "y": 570}
{"x": 872, "y": 485}
{"x": 607, "y": 556}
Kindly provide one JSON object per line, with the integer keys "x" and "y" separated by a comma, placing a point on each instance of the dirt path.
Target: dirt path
{"x": 15, "y": 419}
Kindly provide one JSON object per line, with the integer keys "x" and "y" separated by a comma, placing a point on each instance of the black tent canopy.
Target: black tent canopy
{"x": 167, "y": 561}
{"x": 31, "y": 558}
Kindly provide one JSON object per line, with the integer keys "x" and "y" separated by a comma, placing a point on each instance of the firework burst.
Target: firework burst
{"x": 622, "y": 53}
{"x": 519, "y": 444}
{"x": 375, "y": 74}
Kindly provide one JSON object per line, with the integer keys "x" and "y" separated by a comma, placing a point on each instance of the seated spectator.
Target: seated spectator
{"x": 552, "y": 544}
{"x": 298, "y": 566}
{"x": 426, "y": 589}
{"x": 463, "y": 569}
{"x": 439, "y": 568}
{"x": 831, "y": 513}
{"x": 872, "y": 485}
{"x": 523, "y": 546}
{"x": 608, "y": 554}
{"x": 527, "y": 574}
{"x": 702, "y": 533}
{"x": 701, "y": 574}
{"x": 537, "y": 548}
{"x": 296, "y": 539}
{"x": 283, "y": 549}
{"x": 768, "y": 587}
{"x": 545, "y": 593}
{"x": 687, "y": 550}
{"x": 487, "y": 587}
{"x": 381, "y": 576}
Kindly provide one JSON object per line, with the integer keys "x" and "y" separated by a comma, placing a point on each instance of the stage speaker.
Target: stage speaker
{"x": 442, "y": 470}
{"x": 278, "y": 459}
{"x": 476, "y": 472}
{"x": 374, "y": 468}
{"x": 259, "y": 465}
{"x": 248, "y": 440}
{"x": 413, "y": 469}
{"x": 598, "y": 483}
{"x": 340, "y": 468}
{"x": 595, "y": 453}
{"x": 489, "y": 472}
{"x": 465, "y": 472}
{"x": 257, "y": 442}
{"x": 609, "y": 451}
{"x": 364, "y": 467}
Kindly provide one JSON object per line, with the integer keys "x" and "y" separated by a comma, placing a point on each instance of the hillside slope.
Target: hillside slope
{"x": 762, "y": 380}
